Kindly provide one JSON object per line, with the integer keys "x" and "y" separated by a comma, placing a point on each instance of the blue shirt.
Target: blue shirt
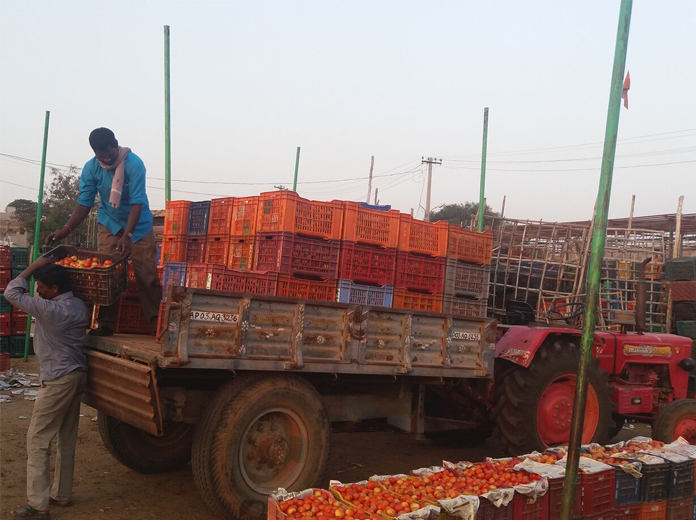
{"x": 95, "y": 180}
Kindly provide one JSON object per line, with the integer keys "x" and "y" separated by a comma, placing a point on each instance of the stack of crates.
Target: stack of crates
{"x": 681, "y": 274}
{"x": 5, "y": 307}
{"x": 13, "y": 322}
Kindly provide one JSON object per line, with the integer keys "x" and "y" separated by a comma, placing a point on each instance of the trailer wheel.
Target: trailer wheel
{"x": 143, "y": 452}
{"x": 260, "y": 433}
{"x": 535, "y": 404}
{"x": 675, "y": 420}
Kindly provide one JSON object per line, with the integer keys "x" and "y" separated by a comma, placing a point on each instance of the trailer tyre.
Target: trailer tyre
{"x": 143, "y": 452}
{"x": 675, "y": 420}
{"x": 259, "y": 434}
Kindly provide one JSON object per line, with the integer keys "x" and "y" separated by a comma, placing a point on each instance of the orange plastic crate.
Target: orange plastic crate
{"x": 417, "y": 301}
{"x": 286, "y": 211}
{"x": 653, "y": 511}
{"x": 469, "y": 246}
{"x": 241, "y": 255}
{"x": 297, "y": 288}
{"x": 220, "y": 219}
{"x": 195, "y": 249}
{"x": 173, "y": 249}
{"x": 205, "y": 275}
{"x": 217, "y": 250}
{"x": 368, "y": 226}
{"x": 421, "y": 237}
{"x": 176, "y": 218}
{"x": 244, "y": 212}
{"x": 131, "y": 318}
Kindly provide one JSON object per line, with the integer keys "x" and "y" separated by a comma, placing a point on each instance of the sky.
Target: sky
{"x": 398, "y": 80}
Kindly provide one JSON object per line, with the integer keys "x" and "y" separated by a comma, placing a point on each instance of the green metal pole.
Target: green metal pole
{"x": 482, "y": 190}
{"x": 167, "y": 122}
{"x": 37, "y": 229}
{"x": 595, "y": 266}
{"x": 297, "y": 168}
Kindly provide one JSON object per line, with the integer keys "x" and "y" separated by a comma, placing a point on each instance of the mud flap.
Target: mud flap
{"x": 124, "y": 390}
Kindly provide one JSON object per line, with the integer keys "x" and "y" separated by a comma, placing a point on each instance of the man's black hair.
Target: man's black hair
{"x": 54, "y": 275}
{"x": 102, "y": 139}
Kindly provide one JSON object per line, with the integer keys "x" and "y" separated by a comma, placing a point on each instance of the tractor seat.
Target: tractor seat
{"x": 519, "y": 313}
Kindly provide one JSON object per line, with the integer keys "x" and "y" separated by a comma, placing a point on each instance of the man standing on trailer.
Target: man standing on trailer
{"x": 125, "y": 220}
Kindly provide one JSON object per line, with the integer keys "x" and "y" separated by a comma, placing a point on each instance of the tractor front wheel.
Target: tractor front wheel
{"x": 675, "y": 420}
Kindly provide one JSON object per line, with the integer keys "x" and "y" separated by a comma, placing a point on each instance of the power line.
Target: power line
{"x": 578, "y": 170}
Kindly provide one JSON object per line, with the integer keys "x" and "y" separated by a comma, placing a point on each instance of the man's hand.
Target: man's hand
{"x": 29, "y": 271}
{"x": 124, "y": 246}
{"x": 58, "y": 235}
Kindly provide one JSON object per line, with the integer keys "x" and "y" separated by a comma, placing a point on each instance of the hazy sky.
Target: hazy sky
{"x": 345, "y": 80}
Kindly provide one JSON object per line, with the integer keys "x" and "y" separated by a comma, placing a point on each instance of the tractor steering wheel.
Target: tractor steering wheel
{"x": 555, "y": 312}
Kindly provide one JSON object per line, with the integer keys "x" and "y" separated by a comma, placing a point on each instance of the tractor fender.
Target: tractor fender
{"x": 519, "y": 344}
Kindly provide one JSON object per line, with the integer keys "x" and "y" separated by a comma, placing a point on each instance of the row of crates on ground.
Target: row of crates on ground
{"x": 681, "y": 274}
{"x": 13, "y": 322}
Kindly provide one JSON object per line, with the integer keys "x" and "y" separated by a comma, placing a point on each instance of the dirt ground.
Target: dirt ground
{"x": 104, "y": 489}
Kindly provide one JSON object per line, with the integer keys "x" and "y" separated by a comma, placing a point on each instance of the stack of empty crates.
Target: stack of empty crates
{"x": 13, "y": 322}
{"x": 681, "y": 274}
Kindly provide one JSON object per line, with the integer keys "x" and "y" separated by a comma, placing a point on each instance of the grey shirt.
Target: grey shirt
{"x": 61, "y": 327}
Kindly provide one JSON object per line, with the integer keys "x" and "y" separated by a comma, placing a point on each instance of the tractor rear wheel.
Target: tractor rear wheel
{"x": 675, "y": 420}
{"x": 534, "y": 405}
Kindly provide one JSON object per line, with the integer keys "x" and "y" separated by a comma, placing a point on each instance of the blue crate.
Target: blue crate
{"x": 349, "y": 292}
{"x": 627, "y": 489}
{"x": 199, "y": 214}
{"x": 174, "y": 274}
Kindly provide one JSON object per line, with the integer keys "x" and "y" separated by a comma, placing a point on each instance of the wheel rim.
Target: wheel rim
{"x": 686, "y": 428}
{"x": 556, "y": 409}
{"x": 273, "y": 452}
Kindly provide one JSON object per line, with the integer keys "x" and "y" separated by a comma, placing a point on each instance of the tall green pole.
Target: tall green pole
{"x": 37, "y": 229}
{"x": 594, "y": 269}
{"x": 297, "y": 168}
{"x": 167, "y": 123}
{"x": 482, "y": 187}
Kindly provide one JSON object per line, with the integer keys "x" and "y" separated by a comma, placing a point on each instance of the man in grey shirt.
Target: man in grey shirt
{"x": 61, "y": 324}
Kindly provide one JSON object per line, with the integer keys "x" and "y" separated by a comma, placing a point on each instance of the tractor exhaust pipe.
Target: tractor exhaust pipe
{"x": 641, "y": 297}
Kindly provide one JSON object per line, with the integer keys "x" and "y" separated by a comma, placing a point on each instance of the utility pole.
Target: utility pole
{"x": 482, "y": 186}
{"x": 369, "y": 181}
{"x": 430, "y": 162}
{"x": 376, "y": 192}
{"x": 167, "y": 122}
{"x": 297, "y": 168}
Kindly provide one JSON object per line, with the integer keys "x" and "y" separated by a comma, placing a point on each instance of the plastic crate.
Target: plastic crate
{"x": 17, "y": 345}
{"x": 199, "y": 212}
{"x": 683, "y": 269}
{"x": 469, "y": 246}
{"x": 370, "y": 226}
{"x": 205, "y": 275}
{"x": 466, "y": 279}
{"x": 426, "y": 302}
{"x": 5, "y": 306}
{"x": 101, "y": 286}
{"x": 19, "y": 257}
{"x": 14, "y": 273}
{"x": 687, "y": 329}
{"x": 421, "y": 237}
{"x": 176, "y": 217}
{"x": 366, "y": 264}
{"x": 683, "y": 291}
{"x": 220, "y": 220}
{"x": 627, "y": 512}
{"x": 350, "y": 292}
{"x": 217, "y": 250}
{"x": 555, "y": 494}
{"x": 528, "y": 508}
{"x": 694, "y": 517}
{"x": 19, "y": 323}
{"x": 488, "y": 511}
{"x": 296, "y": 255}
{"x": 627, "y": 489}
{"x": 131, "y": 286}
{"x": 244, "y": 216}
{"x": 598, "y": 490}
{"x": 4, "y": 354}
{"x": 681, "y": 480}
{"x": 5, "y": 324}
{"x": 463, "y": 307}
{"x": 685, "y": 311}
{"x": 241, "y": 256}
{"x": 680, "y": 509}
{"x": 418, "y": 272}
{"x": 131, "y": 318}
{"x": 297, "y": 288}
{"x": 173, "y": 249}
{"x": 5, "y": 258}
{"x": 655, "y": 482}
{"x": 250, "y": 282}
{"x": 195, "y": 249}
{"x": 5, "y": 278}
{"x": 173, "y": 274}
{"x": 159, "y": 252}
{"x": 286, "y": 211}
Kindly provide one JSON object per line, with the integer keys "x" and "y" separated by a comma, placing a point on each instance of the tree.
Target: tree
{"x": 459, "y": 213}
{"x": 25, "y": 212}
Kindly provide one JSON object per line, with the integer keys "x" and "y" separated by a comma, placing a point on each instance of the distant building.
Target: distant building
{"x": 12, "y": 232}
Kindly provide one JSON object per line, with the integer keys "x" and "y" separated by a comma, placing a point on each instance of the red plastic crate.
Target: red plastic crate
{"x": 367, "y": 264}
{"x": 295, "y": 255}
{"x": 286, "y": 211}
{"x": 5, "y": 258}
{"x": 653, "y": 511}
{"x": 220, "y": 220}
{"x": 173, "y": 249}
{"x": 217, "y": 250}
{"x": 250, "y": 282}
{"x": 205, "y": 275}
{"x": 421, "y": 237}
{"x": 555, "y": 494}
{"x": 488, "y": 511}
{"x": 195, "y": 249}
{"x": 425, "y": 302}
{"x": 244, "y": 214}
{"x": 680, "y": 508}
{"x": 5, "y": 325}
{"x": 176, "y": 218}
{"x": 241, "y": 255}
{"x": 297, "y": 288}
{"x": 528, "y": 508}
{"x": 131, "y": 318}
{"x": 4, "y": 361}
{"x": 598, "y": 492}
{"x": 469, "y": 246}
{"x": 19, "y": 323}
{"x": 5, "y": 278}
{"x": 369, "y": 226}
{"x": 627, "y": 512}
{"x": 683, "y": 290}
{"x": 417, "y": 272}
{"x": 132, "y": 287}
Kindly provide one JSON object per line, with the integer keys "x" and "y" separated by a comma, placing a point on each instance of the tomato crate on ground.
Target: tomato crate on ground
{"x": 365, "y": 224}
{"x": 555, "y": 494}
{"x": 199, "y": 213}
{"x": 286, "y": 211}
{"x": 5, "y": 324}
{"x": 19, "y": 257}
{"x": 289, "y": 286}
{"x": 681, "y": 479}
{"x": 367, "y": 264}
{"x": 5, "y": 306}
{"x": 463, "y": 307}
{"x": 241, "y": 253}
{"x": 220, "y": 219}
{"x": 469, "y": 246}
{"x": 654, "y": 483}
{"x": 250, "y": 282}
{"x": 5, "y": 278}
{"x": 131, "y": 318}
{"x": 680, "y": 509}
{"x": 19, "y": 323}
{"x": 687, "y": 329}
{"x": 627, "y": 488}
{"x": 205, "y": 275}
{"x": 529, "y": 508}
{"x": 682, "y": 269}
{"x": 244, "y": 216}
{"x": 173, "y": 249}
{"x": 465, "y": 279}
{"x": 5, "y": 258}
{"x": 296, "y": 255}
{"x": 488, "y": 511}
{"x": 419, "y": 272}
{"x": 598, "y": 490}
{"x": 426, "y": 302}
{"x": 17, "y": 342}
{"x": 173, "y": 274}
{"x": 217, "y": 250}
{"x": 627, "y": 512}
{"x": 176, "y": 217}
{"x": 682, "y": 291}
{"x": 195, "y": 249}
{"x": 354, "y": 293}
{"x": 421, "y": 237}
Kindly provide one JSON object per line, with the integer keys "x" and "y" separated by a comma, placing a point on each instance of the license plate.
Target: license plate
{"x": 218, "y": 317}
{"x": 466, "y": 336}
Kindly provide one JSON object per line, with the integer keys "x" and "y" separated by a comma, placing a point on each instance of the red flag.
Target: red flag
{"x": 626, "y": 86}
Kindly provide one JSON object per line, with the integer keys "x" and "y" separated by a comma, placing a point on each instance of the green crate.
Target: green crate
{"x": 5, "y": 344}
{"x": 19, "y": 257}
{"x": 17, "y": 346}
{"x": 5, "y": 306}
{"x": 16, "y": 272}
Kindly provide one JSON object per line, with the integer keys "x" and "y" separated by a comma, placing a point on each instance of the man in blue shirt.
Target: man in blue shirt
{"x": 125, "y": 220}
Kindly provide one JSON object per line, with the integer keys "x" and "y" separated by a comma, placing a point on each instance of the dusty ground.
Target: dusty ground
{"x": 104, "y": 489}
